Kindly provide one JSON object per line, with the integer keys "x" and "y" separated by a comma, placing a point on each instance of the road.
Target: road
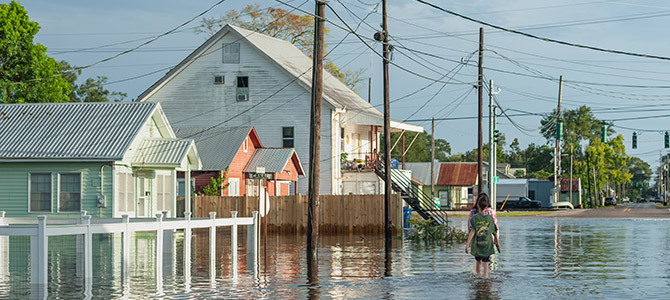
{"x": 621, "y": 211}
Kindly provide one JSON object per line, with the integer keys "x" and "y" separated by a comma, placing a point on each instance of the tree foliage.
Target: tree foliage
{"x": 420, "y": 148}
{"x": 579, "y": 124}
{"x": 215, "y": 186}
{"x": 27, "y": 74}
{"x": 282, "y": 24}
{"x": 91, "y": 90}
{"x": 641, "y": 172}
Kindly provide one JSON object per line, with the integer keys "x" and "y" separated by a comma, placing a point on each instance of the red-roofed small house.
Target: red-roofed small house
{"x": 575, "y": 188}
{"x": 239, "y": 153}
{"x": 457, "y": 179}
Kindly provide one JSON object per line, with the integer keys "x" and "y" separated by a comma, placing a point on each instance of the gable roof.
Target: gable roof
{"x": 421, "y": 171}
{"x": 292, "y": 60}
{"x": 274, "y": 160}
{"x": 81, "y": 131}
{"x": 457, "y": 174}
{"x": 218, "y": 146}
{"x": 162, "y": 152}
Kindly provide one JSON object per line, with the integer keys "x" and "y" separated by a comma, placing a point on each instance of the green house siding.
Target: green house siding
{"x": 14, "y": 177}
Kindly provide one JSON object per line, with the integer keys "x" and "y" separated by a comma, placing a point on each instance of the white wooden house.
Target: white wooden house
{"x": 243, "y": 78}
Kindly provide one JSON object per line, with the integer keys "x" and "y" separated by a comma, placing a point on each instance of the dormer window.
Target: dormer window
{"x": 231, "y": 53}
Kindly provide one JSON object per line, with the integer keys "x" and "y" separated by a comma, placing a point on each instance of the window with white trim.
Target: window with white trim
{"x": 233, "y": 186}
{"x": 219, "y": 79}
{"x": 69, "y": 195}
{"x": 125, "y": 192}
{"x": 231, "y": 53}
{"x": 245, "y": 145}
{"x": 165, "y": 187}
{"x": 40, "y": 192}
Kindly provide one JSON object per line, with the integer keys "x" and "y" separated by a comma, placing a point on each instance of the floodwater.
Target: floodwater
{"x": 542, "y": 258}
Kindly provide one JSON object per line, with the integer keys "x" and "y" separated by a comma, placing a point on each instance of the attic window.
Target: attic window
{"x": 219, "y": 80}
{"x": 231, "y": 53}
{"x": 242, "y": 88}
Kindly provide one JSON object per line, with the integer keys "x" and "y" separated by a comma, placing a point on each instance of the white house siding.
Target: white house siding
{"x": 191, "y": 99}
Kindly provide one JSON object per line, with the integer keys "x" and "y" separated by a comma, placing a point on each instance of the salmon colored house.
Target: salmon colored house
{"x": 238, "y": 154}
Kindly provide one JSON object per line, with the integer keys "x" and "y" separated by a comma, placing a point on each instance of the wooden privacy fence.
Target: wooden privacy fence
{"x": 338, "y": 213}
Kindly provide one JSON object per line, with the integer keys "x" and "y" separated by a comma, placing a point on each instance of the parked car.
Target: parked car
{"x": 640, "y": 200}
{"x": 610, "y": 201}
{"x": 625, "y": 200}
{"x": 523, "y": 202}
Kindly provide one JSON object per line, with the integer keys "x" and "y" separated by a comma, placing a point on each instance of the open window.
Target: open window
{"x": 242, "y": 88}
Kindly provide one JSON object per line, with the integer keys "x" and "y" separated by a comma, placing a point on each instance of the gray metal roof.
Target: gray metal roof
{"x": 272, "y": 159}
{"x": 216, "y": 146}
{"x": 421, "y": 171}
{"x": 86, "y": 131}
{"x": 162, "y": 151}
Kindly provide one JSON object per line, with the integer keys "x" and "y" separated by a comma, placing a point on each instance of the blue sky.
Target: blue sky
{"x": 428, "y": 42}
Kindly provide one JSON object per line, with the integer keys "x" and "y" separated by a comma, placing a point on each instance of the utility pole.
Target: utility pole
{"x": 387, "y": 131}
{"x": 315, "y": 143}
{"x": 588, "y": 176}
{"x": 492, "y": 147}
{"x": 432, "y": 163}
{"x": 570, "y": 191}
{"x": 557, "y": 153}
{"x": 370, "y": 80}
{"x": 403, "y": 150}
{"x": 388, "y": 233}
{"x": 480, "y": 95}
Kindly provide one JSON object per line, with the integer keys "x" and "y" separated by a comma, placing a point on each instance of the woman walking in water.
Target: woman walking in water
{"x": 483, "y": 235}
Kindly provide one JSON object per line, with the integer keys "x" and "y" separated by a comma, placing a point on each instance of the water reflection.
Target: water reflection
{"x": 541, "y": 258}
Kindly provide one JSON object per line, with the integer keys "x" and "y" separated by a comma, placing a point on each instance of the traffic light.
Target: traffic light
{"x": 634, "y": 140}
{"x": 667, "y": 140}
{"x": 603, "y": 132}
{"x": 496, "y": 135}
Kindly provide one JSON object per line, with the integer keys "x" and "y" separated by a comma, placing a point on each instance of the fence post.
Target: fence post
{"x": 88, "y": 249}
{"x": 125, "y": 241}
{"x": 39, "y": 244}
{"x": 252, "y": 243}
{"x": 159, "y": 248}
{"x": 233, "y": 243}
{"x": 187, "y": 252}
{"x": 212, "y": 245}
{"x": 4, "y": 248}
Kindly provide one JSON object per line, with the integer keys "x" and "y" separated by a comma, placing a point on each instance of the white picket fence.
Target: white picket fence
{"x": 39, "y": 232}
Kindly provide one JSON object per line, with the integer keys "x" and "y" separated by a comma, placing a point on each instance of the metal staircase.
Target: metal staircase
{"x": 412, "y": 194}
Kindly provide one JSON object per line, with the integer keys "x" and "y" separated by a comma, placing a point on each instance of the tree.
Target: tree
{"x": 418, "y": 150}
{"x": 641, "y": 172}
{"x": 92, "y": 90}
{"x": 579, "y": 124}
{"x": 215, "y": 186}
{"x": 282, "y": 24}
{"x": 27, "y": 74}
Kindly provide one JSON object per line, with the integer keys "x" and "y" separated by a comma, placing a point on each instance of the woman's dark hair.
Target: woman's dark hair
{"x": 483, "y": 201}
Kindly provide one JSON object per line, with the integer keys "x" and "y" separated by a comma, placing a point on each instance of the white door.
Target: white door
{"x": 143, "y": 197}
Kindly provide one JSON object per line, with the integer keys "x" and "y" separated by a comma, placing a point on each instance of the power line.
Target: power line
{"x": 544, "y": 38}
